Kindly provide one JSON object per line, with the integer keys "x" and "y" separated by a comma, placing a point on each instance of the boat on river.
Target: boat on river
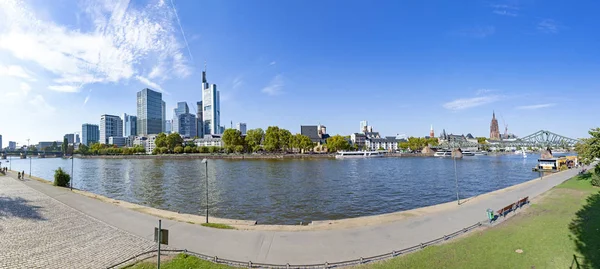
{"x": 443, "y": 153}
{"x": 481, "y": 153}
{"x": 468, "y": 153}
{"x": 358, "y": 154}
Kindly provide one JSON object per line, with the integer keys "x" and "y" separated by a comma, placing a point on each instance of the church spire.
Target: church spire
{"x": 494, "y": 115}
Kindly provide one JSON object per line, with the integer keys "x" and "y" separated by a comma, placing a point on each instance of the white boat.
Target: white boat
{"x": 443, "y": 153}
{"x": 468, "y": 153}
{"x": 524, "y": 154}
{"x": 358, "y": 154}
{"x": 481, "y": 153}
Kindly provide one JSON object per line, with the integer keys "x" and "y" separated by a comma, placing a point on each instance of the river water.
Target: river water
{"x": 290, "y": 191}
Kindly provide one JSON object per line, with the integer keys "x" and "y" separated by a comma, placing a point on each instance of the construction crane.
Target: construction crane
{"x": 505, "y": 128}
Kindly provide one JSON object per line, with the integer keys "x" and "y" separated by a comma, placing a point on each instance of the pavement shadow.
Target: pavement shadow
{"x": 19, "y": 208}
{"x": 584, "y": 229}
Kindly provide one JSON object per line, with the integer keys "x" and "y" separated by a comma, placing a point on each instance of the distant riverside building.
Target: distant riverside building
{"x": 316, "y": 133}
{"x": 199, "y": 121}
{"x": 42, "y": 145}
{"x": 12, "y": 145}
{"x": 110, "y": 125}
{"x": 241, "y": 127}
{"x": 164, "y": 117}
{"x": 168, "y": 126}
{"x": 129, "y": 125}
{"x": 186, "y": 124}
{"x": 211, "y": 111}
{"x": 90, "y": 134}
{"x": 117, "y": 141}
{"x": 1, "y": 143}
{"x": 72, "y": 138}
{"x": 431, "y": 133}
{"x": 182, "y": 108}
{"x": 149, "y": 112}
{"x": 145, "y": 141}
{"x": 363, "y": 126}
{"x": 494, "y": 130}
{"x": 210, "y": 141}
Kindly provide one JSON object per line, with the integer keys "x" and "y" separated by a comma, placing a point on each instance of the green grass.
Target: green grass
{"x": 218, "y": 226}
{"x": 566, "y": 222}
{"x": 181, "y": 261}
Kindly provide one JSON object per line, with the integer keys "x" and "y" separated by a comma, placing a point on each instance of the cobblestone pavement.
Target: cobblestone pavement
{"x": 37, "y": 231}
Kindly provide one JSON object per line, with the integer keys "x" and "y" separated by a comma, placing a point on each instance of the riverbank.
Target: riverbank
{"x": 211, "y": 156}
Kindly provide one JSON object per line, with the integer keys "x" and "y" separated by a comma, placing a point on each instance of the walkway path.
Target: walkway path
{"x": 278, "y": 247}
{"x": 37, "y": 231}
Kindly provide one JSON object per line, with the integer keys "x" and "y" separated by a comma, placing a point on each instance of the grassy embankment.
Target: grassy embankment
{"x": 562, "y": 230}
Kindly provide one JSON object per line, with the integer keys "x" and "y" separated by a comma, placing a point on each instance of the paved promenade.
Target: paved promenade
{"x": 279, "y": 247}
{"x": 37, "y": 231}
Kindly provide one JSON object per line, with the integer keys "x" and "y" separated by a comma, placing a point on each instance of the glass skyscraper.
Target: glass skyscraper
{"x": 90, "y": 134}
{"x": 211, "y": 111}
{"x": 182, "y": 108}
{"x": 129, "y": 125}
{"x": 149, "y": 112}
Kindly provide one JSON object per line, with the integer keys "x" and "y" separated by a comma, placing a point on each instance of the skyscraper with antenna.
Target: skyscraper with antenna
{"x": 211, "y": 111}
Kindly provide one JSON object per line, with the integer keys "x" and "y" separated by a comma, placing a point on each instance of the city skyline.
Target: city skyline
{"x": 400, "y": 71}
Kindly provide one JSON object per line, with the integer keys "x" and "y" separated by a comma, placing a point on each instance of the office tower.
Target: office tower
{"x": 211, "y": 114}
{"x": 129, "y": 125}
{"x": 186, "y": 124}
{"x": 110, "y": 126}
{"x": 199, "y": 124}
{"x": 77, "y": 139}
{"x": 241, "y": 127}
{"x": 70, "y": 138}
{"x": 164, "y": 117}
{"x": 90, "y": 134}
{"x": 168, "y": 126}
{"x": 182, "y": 108}
{"x": 149, "y": 112}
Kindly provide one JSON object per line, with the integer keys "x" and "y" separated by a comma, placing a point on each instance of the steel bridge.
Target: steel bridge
{"x": 539, "y": 139}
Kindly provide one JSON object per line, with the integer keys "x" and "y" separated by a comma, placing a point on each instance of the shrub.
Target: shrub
{"x": 239, "y": 148}
{"x": 204, "y": 149}
{"x": 188, "y": 149}
{"x": 212, "y": 149}
{"x": 596, "y": 180}
{"x": 178, "y": 149}
{"x": 61, "y": 178}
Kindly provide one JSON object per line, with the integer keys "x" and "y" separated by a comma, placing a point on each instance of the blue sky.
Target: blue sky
{"x": 401, "y": 65}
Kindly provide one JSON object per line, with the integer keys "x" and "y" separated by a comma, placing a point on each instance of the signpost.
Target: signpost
{"x": 161, "y": 236}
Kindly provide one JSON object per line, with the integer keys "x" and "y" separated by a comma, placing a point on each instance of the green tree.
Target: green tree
{"x": 239, "y": 149}
{"x": 272, "y": 139}
{"x": 178, "y": 149}
{"x": 254, "y": 139}
{"x": 232, "y": 138}
{"x": 588, "y": 149}
{"x": 174, "y": 140}
{"x": 403, "y": 145}
{"x": 204, "y": 149}
{"x": 61, "y": 178}
{"x": 213, "y": 149}
{"x": 64, "y": 146}
{"x": 188, "y": 149}
{"x": 54, "y": 146}
{"x": 417, "y": 143}
{"x": 337, "y": 143}
{"x": 432, "y": 141}
{"x": 481, "y": 140}
{"x": 33, "y": 149}
{"x": 160, "y": 140}
{"x": 305, "y": 143}
{"x": 284, "y": 139}
{"x": 83, "y": 149}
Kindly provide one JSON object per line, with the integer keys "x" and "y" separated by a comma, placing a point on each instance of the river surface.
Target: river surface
{"x": 290, "y": 191}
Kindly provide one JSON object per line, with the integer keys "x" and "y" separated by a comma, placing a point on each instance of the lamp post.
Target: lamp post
{"x": 456, "y": 176}
{"x": 205, "y": 162}
{"x": 29, "y": 158}
{"x": 72, "y": 174}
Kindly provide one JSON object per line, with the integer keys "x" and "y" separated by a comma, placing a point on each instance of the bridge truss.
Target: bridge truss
{"x": 539, "y": 139}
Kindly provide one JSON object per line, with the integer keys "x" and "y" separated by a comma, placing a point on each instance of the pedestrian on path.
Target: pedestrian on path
{"x": 19, "y": 175}
{"x": 23, "y": 174}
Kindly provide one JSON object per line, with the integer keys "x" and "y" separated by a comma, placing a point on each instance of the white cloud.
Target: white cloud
{"x": 15, "y": 71}
{"x": 121, "y": 41}
{"x": 273, "y": 63}
{"x": 25, "y": 88}
{"x": 39, "y": 103}
{"x": 237, "y": 82}
{"x": 484, "y": 91}
{"x": 548, "y": 26}
{"x": 275, "y": 87}
{"x": 505, "y": 13}
{"x": 464, "y": 103}
{"x": 149, "y": 83}
{"x": 505, "y": 10}
{"x": 63, "y": 88}
{"x": 87, "y": 98}
{"x": 532, "y": 107}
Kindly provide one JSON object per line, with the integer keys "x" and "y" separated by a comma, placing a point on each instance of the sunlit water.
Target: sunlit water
{"x": 290, "y": 191}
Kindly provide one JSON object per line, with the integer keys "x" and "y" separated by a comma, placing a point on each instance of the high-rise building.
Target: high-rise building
{"x": 129, "y": 125}
{"x": 241, "y": 127}
{"x": 494, "y": 130}
{"x": 110, "y": 126}
{"x": 200, "y": 122}
{"x": 12, "y": 145}
{"x": 149, "y": 112}
{"x": 90, "y": 134}
{"x": 164, "y": 117}
{"x": 182, "y": 108}
{"x": 211, "y": 111}
{"x": 186, "y": 124}
{"x": 168, "y": 126}
{"x": 77, "y": 140}
{"x": 363, "y": 126}
{"x": 70, "y": 138}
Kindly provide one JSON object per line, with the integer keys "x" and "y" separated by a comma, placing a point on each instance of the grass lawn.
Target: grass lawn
{"x": 559, "y": 231}
{"x": 217, "y": 226}
{"x": 181, "y": 261}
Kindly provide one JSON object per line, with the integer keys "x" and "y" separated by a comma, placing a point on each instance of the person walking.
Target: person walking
{"x": 19, "y": 175}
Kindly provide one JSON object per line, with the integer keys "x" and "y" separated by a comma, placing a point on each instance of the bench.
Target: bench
{"x": 523, "y": 202}
{"x": 506, "y": 209}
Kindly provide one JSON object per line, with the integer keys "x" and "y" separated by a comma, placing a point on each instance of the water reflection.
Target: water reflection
{"x": 290, "y": 191}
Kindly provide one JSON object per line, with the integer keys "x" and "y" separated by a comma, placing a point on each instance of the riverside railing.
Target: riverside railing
{"x": 326, "y": 265}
